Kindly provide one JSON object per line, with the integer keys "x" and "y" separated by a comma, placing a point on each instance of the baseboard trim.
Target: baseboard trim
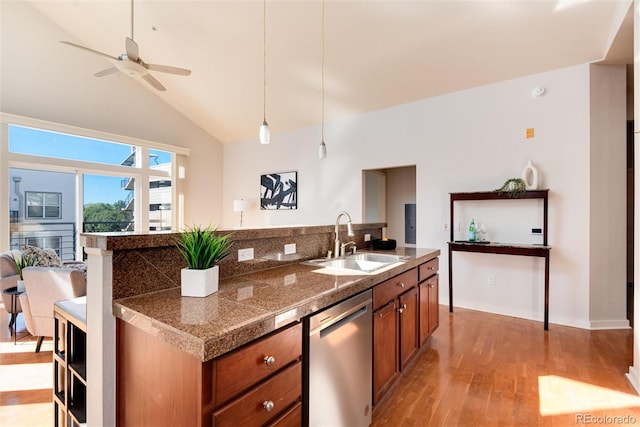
{"x": 632, "y": 376}
{"x": 609, "y": 324}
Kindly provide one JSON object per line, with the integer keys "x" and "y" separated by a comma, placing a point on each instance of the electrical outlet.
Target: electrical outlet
{"x": 290, "y": 249}
{"x": 367, "y": 237}
{"x": 458, "y": 226}
{"x": 245, "y": 254}
{"x": 491, "y": 280}
{"x": 445, "y": 226}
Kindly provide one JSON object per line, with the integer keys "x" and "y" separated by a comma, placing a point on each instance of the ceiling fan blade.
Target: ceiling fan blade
{"x": 106, "y": 72}
{"x": 131, "y": 49}
{"x": 167, "y": 69}
{"x": 90, "y": 50}
{"x": 153, "y": 82}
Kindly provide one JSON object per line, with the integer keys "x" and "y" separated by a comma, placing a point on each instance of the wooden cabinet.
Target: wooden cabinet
{"x": 263, "y": 380}
{"x": 395, "y": 329}
{"x": 405, "y": 315}
{"x": 69, "y": 362}
{"x": 429, "y": 307}
{"x": 408, "y": 315}
{"x": 386, "y": 367}
{"x": 254, "y": 385}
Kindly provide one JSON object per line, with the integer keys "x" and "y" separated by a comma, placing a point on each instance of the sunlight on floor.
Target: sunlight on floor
{"x": 9, "y": 415}
{"x": 25, "y": 345}
{"x": 30, "y": 376}
{"x": 560, "y": 395}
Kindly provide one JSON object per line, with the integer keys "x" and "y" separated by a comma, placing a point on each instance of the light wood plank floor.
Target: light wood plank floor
{"x": 26, "y": 377}
{"x": 479, "y": 369}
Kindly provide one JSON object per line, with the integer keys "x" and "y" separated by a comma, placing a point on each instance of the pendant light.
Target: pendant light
{"x": 265, "y": 135}
{"x": 322, "y": 151}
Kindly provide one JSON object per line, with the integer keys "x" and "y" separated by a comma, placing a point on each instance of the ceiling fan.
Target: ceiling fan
{"x": 131, "y": 64}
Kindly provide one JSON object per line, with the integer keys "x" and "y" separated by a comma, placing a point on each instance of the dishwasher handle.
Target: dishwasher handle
{"x": 342, "y": 320}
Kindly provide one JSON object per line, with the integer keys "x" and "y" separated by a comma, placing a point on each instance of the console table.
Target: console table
{"x": 503, "y": 248}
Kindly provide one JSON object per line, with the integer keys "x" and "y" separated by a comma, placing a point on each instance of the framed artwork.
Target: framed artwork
{"x": 279, "y": 191}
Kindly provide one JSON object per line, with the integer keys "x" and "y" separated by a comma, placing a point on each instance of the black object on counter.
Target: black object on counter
{"x": 386, "y": 245}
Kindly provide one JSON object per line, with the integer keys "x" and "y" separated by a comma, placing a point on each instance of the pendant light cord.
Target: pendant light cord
{"x": 322, "y": 70}
{"x": 132, "y": 20}
{"x": 264, "y": 60}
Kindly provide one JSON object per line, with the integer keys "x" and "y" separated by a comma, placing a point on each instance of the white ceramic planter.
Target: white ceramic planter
{"x": 199, "y": 283}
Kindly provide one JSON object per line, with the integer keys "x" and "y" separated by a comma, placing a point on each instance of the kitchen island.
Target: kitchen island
{"x": 169, "y": 347}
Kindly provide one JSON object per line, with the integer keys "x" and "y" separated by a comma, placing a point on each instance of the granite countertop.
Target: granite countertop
{"x": 249, "y": 306}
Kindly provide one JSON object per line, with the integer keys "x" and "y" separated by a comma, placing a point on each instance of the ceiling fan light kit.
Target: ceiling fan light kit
{"x": 131, "y": 64}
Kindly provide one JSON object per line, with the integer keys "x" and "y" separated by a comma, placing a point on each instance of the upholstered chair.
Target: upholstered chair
{"x": 44, "y": 286}
{"x": 8, "y": 279}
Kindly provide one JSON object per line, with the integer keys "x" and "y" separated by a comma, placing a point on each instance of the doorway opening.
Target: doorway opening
{"x": 389, "y": 195}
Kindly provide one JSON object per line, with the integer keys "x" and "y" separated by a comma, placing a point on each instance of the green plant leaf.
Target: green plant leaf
{"x": 201, "y": 248}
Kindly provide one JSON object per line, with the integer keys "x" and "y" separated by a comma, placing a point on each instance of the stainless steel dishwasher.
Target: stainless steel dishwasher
{"x": 338, "y": 364}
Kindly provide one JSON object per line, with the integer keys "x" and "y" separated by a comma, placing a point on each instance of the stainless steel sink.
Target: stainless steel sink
{"x": 361, "y": 262}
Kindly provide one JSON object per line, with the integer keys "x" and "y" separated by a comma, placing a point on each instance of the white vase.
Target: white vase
{"x": 199, "y": 283}
{"x": 20, "y": 286}
{"x": 530, "y": 176}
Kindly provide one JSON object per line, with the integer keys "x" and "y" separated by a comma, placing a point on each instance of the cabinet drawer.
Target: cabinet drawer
{"x": 428, "y": 269}
{"x": 291, "y": 418}
{"x": 280, "y": 391}
{"x": 242, "y": 368}
{"x": 390, "y": 289}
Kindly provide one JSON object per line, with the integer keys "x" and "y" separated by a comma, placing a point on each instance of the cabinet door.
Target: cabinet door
{"x": 408, "y": 314}
{"x": 423, "y": 310}
{"x": 385, "y": 349}
{"x": 434, "y": 307}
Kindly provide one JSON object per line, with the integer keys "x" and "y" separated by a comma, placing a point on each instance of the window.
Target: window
{"x": 43, "y": 205}
{"x": 64, "y": 180}
{"x": 53, "y": 242}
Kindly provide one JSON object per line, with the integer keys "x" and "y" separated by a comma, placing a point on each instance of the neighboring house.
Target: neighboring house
{"x": 42, "y": 212}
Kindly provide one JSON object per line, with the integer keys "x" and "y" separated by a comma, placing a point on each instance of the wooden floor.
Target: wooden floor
{"x": 482, "y": 369}
{"x": 479, "y": 369}
{"x": 26, "y": 377}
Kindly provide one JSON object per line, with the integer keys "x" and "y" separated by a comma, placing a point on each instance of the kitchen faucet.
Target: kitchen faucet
{"x": 344, "y": 246}
{"x": 350, "y": 232}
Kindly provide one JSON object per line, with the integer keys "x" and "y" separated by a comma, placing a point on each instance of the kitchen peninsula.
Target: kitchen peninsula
{"x": 170, "y": 351}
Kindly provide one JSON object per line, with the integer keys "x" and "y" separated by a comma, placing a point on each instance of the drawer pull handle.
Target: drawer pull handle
{"x": 402, "y": 308}
{"x": 268, "y": 405}
{"x": 269, "y": 360}
{"x": 401, "y": 284}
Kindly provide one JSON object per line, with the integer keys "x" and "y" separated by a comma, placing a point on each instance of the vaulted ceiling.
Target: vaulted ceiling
{"x": 378, "y": 53}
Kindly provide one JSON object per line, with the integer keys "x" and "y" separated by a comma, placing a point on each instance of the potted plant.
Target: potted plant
{"x": 202, "y": 249}
{"x": 22, "y": 262}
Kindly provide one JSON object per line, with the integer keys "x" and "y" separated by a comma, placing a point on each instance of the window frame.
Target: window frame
{"x": 141, "y": 172}
{"x": 43, "y": 205}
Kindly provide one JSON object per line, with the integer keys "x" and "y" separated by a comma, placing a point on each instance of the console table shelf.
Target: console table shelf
{"x": 541, "y": 251}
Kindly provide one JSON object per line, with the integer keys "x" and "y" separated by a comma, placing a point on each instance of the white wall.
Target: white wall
{"x": 608, "y": 222}
{"x": 43, "y": 79}
{"x": 466, "y": 141}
